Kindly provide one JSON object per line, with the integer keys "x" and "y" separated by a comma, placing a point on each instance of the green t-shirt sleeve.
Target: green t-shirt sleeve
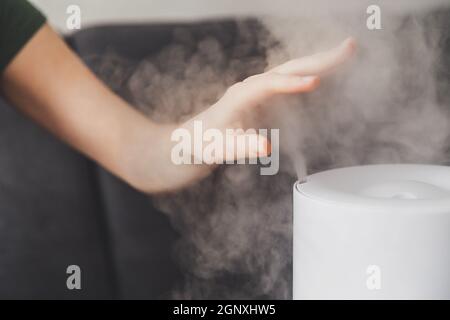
{"x": 19, "y": 21}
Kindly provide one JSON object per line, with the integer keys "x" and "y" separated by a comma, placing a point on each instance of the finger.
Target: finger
{"x": 259, "y": 88}
{"x": 319, "y": 63}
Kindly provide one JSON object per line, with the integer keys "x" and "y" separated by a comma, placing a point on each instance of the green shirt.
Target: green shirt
{"x": 19, "y": 21}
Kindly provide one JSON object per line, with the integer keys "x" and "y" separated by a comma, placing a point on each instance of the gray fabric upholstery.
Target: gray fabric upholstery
{"x": 58, "y": 208}
{"x": 141, "y": 237}
{"x": 50, "y": 215}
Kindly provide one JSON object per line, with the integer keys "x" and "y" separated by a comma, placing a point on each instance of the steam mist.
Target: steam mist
{"x": 381, "y": 107}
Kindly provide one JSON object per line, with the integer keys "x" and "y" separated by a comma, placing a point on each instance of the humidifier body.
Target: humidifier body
{"x": 373, "y": 232}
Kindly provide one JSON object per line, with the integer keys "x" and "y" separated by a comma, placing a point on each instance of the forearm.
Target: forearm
{"x": 50, "y": 84}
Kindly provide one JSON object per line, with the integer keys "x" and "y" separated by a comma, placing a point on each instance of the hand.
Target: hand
{"x": 293, "y": 77}
{"x": 230, "y": 112}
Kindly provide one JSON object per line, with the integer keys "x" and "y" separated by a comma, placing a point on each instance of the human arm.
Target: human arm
{"x": 50, "y": 84}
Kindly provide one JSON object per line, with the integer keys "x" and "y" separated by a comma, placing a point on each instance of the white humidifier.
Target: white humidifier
{"x": 373, "y": 232}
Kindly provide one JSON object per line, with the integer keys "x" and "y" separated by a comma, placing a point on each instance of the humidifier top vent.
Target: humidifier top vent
{"x": 381, "y": 185}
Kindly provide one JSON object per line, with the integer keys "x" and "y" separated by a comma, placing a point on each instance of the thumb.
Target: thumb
{"x": 247, "y": 146}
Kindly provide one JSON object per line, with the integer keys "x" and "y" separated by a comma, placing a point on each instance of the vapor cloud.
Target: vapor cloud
{"x": 382, "y": 107}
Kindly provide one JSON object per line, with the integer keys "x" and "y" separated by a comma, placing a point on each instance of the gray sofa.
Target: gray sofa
{"x": 58, "y": 208}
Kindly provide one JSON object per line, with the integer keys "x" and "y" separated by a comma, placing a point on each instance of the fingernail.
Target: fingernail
{"x": 264, "y": 148}
{"x": 308, "y": 79}
{"x": 350, "y": 42}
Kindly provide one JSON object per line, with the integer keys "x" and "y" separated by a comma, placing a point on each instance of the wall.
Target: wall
{"x": 106, "y": 11}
